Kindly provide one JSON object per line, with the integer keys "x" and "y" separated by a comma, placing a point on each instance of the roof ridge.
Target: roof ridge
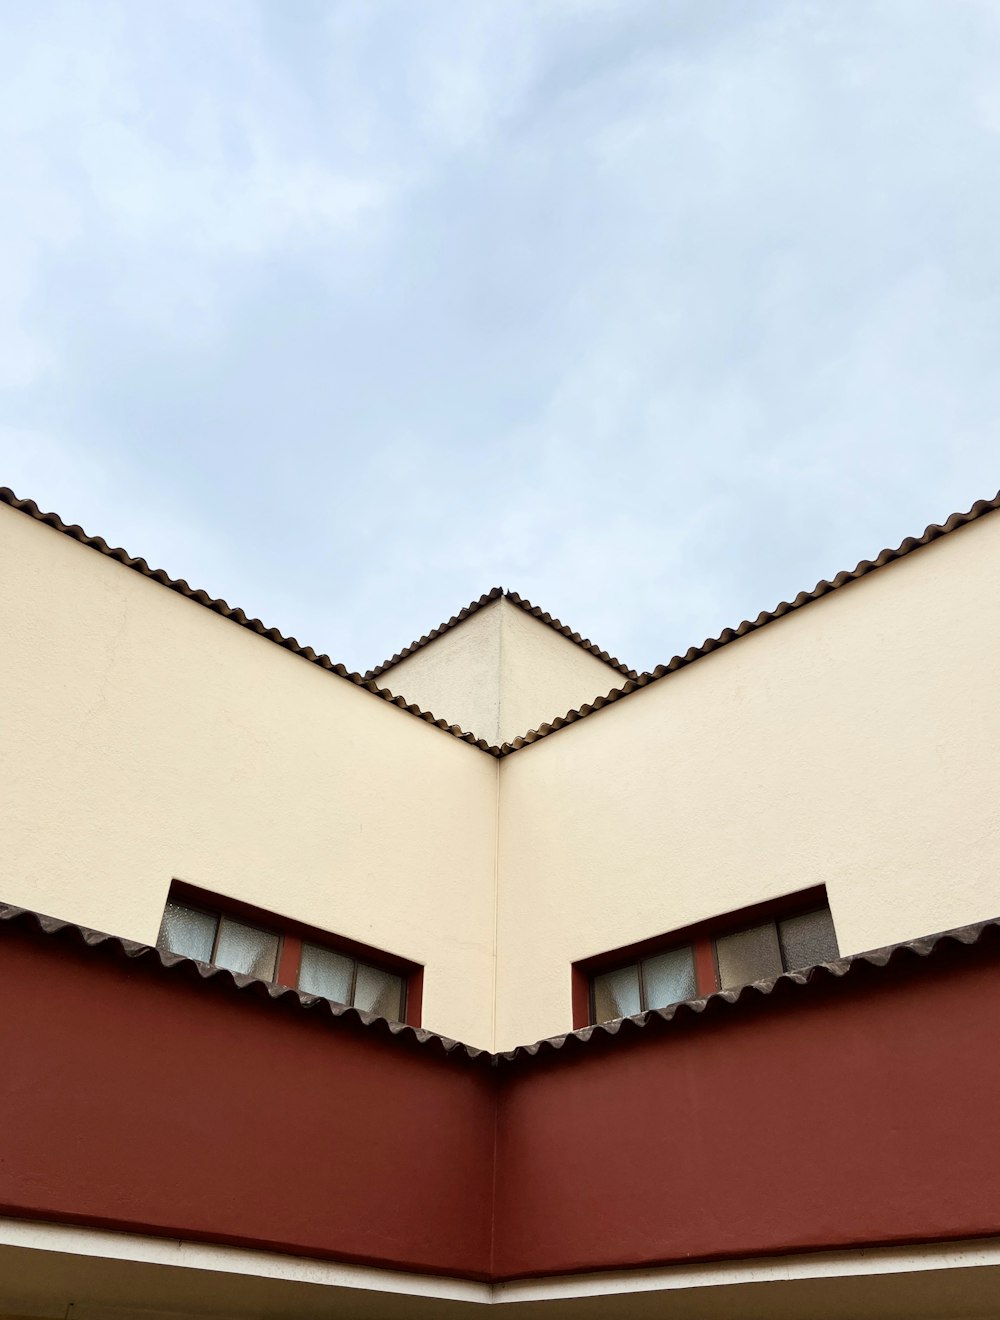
{"x": 219, "y": 606}
{"x": 865, "y": 566}
{"x": 922, "y": 947}
{"x": 487, "y": 598}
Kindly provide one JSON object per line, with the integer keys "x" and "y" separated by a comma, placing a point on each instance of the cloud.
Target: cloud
{"x": 350, "y": 312}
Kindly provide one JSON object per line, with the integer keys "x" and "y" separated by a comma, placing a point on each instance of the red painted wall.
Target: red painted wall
{"x": 844, "y": 1113}
{"x": 134, "y": 1097}
{"x": 826, "y": 1116}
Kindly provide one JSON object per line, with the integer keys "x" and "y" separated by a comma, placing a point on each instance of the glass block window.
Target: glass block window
{"x": 749, "y": 955}
{"x": 326, "y": 973}
{"x": 728, "y": 959}
{"x": 213, "y": 938}
{"x": 242, "y": 946}
{"x": 668, "y": 978}
{"x": 187, "y": 931}
{"x": 779, "y": 946}
{"x": 348, "y": 981}
{"x": 378, "y": 991}
{"x": 616, "y": 994}
{"x": 650, "y": 983}
{"x": 807, "y": 940}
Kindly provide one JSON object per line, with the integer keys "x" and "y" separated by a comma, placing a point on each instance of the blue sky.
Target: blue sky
{"x": 654, "y": 312}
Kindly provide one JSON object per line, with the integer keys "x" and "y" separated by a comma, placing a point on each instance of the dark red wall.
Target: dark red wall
{"x": 843, "y": 1113}
{"x": 825, "y": 1116}
{"x": 146, "y": 1099}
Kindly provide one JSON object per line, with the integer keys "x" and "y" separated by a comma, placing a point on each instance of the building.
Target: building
{"x": 591, "y": 994}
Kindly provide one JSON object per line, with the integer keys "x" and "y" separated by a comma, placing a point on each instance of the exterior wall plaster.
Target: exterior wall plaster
{"x": 144, "y": 738}
{"x": 501, "y": 673}
{"x": 852, "y": 743}
{"x": 456, "y": 676}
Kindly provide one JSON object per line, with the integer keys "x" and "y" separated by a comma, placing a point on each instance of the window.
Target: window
{"x": 347, "y": 981}
{"x": 652, "y": 983}
{"x": 719, "y": 955}
{"x": 213, "y": 938}
{"x": 774, "y": 947}
{"x": 237, "y": 943}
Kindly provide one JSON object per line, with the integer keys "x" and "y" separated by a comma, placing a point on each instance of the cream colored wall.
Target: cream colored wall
{"x": 143, "y": 738}
{"x": 500, "y": 673}
{"x": 852, "y": 743}
{"x": 544, "y": 674}
{"x": 456, "y": 676}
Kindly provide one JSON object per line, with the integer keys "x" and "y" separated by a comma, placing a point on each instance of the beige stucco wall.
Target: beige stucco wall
{"x": 456, "y": 676}
{"x": 854, "y": 743}
{"x": 145, "y": 738}
{"x": 544, "y": 674}
{"x": 851, "y": 743}
{"x": 500, "y": 673}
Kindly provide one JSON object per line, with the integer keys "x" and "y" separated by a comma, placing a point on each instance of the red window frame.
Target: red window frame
{"x": 701, "y": 937}
{"x": 293, "y": 934}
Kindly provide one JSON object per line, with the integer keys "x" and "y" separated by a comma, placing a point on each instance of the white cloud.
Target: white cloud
{"x": 654, "y": 313}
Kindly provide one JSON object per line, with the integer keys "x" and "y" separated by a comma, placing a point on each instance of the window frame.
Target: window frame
{"x": 701, "y": 936}
{"x": 293, "y": 934}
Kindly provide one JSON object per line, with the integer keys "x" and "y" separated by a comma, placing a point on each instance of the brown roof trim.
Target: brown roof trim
{"x": 496, "y": 593}
{"x": 866, "y": 566}
{"x": 29, "y": 507}
{"x": 686, "y": 1011}
{"x": 251, "y": 985}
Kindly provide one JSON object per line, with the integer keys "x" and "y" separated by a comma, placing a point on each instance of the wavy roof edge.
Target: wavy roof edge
{"x": 219, "y": 606}
{"x": 12, "y": 914}
{"x": 633, "y": 683}
{"x": 487, "y": 598}
{"x": 922, "y": 947}
{"x": 823, "y": 588}
{"x": 686, "y": 1010}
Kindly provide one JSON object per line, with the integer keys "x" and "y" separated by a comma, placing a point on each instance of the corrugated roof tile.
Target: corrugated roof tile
{"x": 723, "y": 1000}
{"x": 237, "y": 615}
{"x": 633, "y": 682}
{"x": 887, "y": 556}
{"x": 487, "y": 598}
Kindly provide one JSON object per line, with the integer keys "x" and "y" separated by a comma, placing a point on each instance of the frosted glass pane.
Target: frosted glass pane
{"x": 187, "y": 931}
{"x": 808, "y": 940}
{"x": 379, "y": 992}
{"x": 752, "y": 955}
{"x": 616, "y": 994}
{"x": 669, "y": 978}
{"x": 326, "y": 973}
{"x": 246, "y": 949}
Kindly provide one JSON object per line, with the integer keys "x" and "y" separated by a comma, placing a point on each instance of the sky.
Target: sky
{"x": 654, "y": 312}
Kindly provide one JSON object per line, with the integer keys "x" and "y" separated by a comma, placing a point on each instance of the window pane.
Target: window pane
{"x": 187, "y": 931}
{"x": 669, "y": 978}
{"x": 752, "y": 955}
{"x": 808, "y": 940}
{"x": 616, "y": 994}
{"x": 246, "y": 949}
{"x": 379, "y": 992}
{"x": 326, "y": 973}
